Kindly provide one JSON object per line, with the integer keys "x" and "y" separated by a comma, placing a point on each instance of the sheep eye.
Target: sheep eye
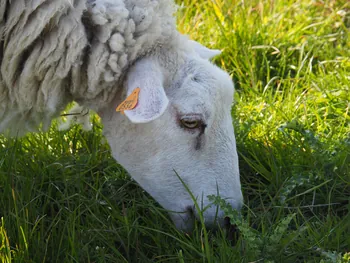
{"x": 190, "y": 124}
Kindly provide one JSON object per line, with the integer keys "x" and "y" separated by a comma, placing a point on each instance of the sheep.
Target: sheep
{"x": 97, "y": 52}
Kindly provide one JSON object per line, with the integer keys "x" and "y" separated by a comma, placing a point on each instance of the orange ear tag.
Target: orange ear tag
{"x": 130, "y": 102}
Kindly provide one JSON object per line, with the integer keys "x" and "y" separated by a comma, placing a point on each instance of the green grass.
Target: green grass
{"x": 64, "y": 199}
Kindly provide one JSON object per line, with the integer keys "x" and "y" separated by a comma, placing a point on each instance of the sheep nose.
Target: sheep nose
{"x": 213, "y": 216}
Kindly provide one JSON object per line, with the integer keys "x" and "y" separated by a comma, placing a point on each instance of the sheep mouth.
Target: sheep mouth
{"x": 231, "y": 230}
{"x": 223, "y": 222}
{"x": 186, "y": 220}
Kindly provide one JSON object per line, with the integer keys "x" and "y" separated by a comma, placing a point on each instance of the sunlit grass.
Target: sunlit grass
{"x": 64, "y": 199}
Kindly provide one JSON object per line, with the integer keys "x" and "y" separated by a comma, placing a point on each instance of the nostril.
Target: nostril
{"x": 227, "y": 222}
{"x": 232, "y": 231}
{"x": 190, "y": 210}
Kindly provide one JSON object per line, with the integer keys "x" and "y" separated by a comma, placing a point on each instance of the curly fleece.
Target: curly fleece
{"x": 55, "y": 51}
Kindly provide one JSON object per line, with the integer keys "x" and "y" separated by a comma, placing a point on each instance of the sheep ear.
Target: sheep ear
{"x": 147, "y": 75}
{"x": 203, "y": 51}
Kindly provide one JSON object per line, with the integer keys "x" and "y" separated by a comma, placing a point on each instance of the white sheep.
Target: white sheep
{"x": 97, "y": 52}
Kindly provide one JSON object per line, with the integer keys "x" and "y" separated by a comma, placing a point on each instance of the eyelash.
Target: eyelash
{"x": 200, "y": 125}
{"x": 190, "y": 124}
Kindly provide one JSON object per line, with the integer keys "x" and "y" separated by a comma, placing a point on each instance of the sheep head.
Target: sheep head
{"x": 181, "y": 126}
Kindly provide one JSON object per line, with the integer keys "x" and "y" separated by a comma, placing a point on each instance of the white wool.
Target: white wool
{"x": 57, "y": 51}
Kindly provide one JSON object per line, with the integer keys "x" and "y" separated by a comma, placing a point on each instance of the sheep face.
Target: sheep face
{"x": 181, "y": 125}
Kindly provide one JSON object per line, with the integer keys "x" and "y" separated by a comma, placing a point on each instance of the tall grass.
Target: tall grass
{"x": 64, "y": 199}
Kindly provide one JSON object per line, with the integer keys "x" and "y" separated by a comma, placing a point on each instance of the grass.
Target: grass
{"x": 64, "y": 199}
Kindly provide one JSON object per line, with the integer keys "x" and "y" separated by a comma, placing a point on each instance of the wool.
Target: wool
{"x": 53, "y": 52}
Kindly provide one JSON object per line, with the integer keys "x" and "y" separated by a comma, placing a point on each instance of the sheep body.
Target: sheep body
{"x": 55, "y": 51}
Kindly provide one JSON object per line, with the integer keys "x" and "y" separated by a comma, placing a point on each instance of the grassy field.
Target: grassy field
{"x": 64, "y": 199}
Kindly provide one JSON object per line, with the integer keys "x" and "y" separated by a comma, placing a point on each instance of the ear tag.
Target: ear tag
{"x": 130, "y": 102}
